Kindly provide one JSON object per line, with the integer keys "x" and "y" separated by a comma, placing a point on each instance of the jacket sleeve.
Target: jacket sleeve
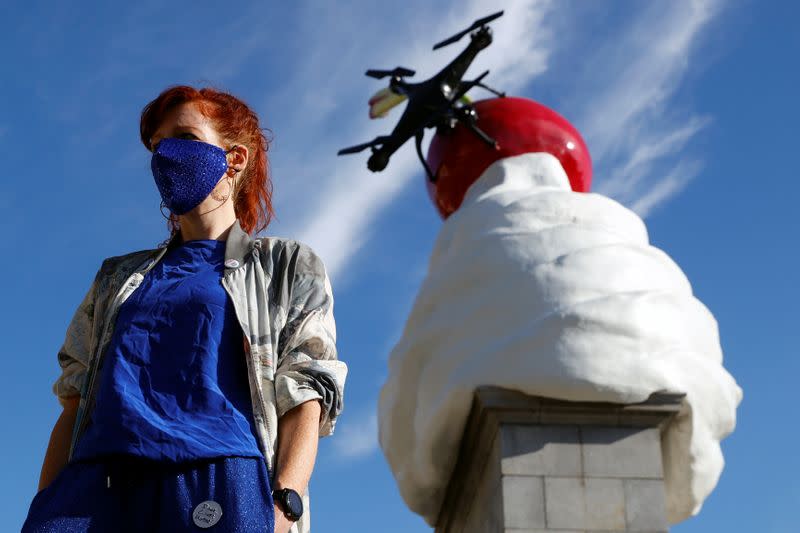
{"x": 308, "y": 367}
{"x": 73, "y": 356}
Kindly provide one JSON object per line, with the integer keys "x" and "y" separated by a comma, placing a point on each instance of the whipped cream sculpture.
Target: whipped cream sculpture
{"x": 538, "y": 286}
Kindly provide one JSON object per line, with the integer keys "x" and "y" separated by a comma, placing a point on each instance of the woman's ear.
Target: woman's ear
{"x": 238, "y": 157}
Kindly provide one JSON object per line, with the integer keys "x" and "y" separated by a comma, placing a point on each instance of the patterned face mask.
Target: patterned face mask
{"x": 186, "y": 172}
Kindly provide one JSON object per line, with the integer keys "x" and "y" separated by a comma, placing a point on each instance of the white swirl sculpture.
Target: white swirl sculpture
{"x": 537, "y": 288}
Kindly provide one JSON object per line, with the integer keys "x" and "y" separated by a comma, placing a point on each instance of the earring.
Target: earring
{"x": 162, "y": 210}
{"x": 216, "y": 196}
{"x": 230, "y": 188}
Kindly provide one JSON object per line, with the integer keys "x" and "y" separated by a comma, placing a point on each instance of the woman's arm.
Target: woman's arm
{"x": 73, "y": 358}
{"x": 298, "y": 435}
{"x": 309, "y": 378}
{"x": 58, "y": 448}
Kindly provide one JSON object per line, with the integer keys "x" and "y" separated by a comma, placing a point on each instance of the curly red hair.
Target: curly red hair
{"x": 237, "y": 124}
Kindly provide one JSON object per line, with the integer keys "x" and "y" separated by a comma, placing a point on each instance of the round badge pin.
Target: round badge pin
{"x": 231, "y": 263}
{"x": 206, "y": 514}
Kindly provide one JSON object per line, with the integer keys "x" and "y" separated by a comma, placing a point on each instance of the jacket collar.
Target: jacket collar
{"x": 237, "y": 246}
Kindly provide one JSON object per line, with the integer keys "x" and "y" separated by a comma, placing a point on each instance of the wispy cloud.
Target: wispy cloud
{"x": 627, "y": 178}
{"x": 632, "y": 121}
{"x": 358, "y": 436}
{"x": 667, "y": 186}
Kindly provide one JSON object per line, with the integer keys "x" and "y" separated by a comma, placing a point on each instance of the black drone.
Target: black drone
{"x": 438, "y": 102}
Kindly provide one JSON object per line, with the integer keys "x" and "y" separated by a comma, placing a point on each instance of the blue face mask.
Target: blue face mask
{"x": 186, "y": 172}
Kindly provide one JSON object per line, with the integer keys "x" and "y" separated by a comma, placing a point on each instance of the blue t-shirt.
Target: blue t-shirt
{"x": 174, "y": 381}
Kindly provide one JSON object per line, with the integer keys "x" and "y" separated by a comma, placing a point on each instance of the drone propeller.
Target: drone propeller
{"x": 363, "y": 146}
{"x": 398, "y": 71}
{"x": 354, "y": 149}
{"x": 475, "y": 25}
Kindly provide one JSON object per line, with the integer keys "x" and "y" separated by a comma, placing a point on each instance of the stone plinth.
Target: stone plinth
{"x": 533, "y": 465}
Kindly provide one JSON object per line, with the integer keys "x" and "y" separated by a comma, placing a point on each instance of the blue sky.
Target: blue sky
{"x": 689, "y": 110}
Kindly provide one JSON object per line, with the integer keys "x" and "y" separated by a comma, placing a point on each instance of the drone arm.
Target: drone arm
{"x": 498, "y": 93}
{"x": 467, "y": 85}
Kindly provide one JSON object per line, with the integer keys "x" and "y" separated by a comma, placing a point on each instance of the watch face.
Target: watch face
{"x": 294, "y": 503}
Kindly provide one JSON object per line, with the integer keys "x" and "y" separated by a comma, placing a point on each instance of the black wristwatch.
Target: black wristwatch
{"x": 290, "y": 502}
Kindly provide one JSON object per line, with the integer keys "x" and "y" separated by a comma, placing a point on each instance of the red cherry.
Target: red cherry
{"x": 519, "y": 125}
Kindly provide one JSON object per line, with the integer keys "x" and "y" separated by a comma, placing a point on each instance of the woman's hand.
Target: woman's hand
{"x": 282, "y": 524}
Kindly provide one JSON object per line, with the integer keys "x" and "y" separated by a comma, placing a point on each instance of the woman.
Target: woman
{"x": 196, "y": 376}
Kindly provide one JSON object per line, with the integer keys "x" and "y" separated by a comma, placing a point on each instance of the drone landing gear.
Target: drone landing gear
{"x": 467, "y": 116}
{"x": 466, "y": 113}
{"x": 418, "y": 143}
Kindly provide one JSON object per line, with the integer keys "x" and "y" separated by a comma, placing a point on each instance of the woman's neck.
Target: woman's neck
{"x": 194, "y": 228}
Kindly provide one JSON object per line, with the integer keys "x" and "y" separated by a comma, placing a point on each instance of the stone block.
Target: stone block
{"x": 621, "y": 452}
{"x": 529, "y": 450}
{"x": 645, "y": 505}
{"x": 605, "y": 504}
{"x": 564, "y": 502}
{"x": 523, "y": 502}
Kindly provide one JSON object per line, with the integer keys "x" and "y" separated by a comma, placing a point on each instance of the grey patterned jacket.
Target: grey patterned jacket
{"x": 284, "y": 304}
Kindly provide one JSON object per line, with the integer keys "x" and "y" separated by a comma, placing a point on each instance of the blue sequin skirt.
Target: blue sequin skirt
{"x": 224, "y": 494}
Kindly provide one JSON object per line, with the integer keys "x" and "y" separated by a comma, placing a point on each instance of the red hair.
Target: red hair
{"x": 237, "y": 124}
